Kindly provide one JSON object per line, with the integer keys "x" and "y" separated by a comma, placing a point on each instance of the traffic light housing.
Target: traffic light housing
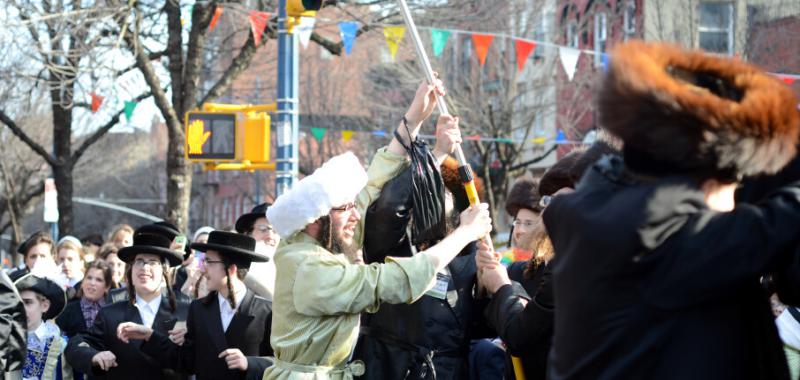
{"x": 297, "y": 8}
{"x": 233, "y": 134}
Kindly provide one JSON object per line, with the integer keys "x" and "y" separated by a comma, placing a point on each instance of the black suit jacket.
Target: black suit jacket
{"x": 102, "y": 336}
{"x": 248, "y": 331}
{"x": 71, "y": 321}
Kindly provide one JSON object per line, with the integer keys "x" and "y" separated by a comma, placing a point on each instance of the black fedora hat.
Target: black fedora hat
{"x": 245, "y": 222}
{"x": 240, "y": 249}
{"x": 153, "y": 244}
{"x": 165, "y": 229}
{"x": 49, "y": 289}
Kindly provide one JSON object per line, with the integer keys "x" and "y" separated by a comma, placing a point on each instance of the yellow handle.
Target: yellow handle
{"x": 517, "y": 363}
{"x": 472, "y": 193}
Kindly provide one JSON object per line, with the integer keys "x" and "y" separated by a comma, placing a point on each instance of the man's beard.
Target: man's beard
{"x": 332, "y": 240}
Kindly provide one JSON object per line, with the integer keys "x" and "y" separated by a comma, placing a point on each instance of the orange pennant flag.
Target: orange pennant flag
{"x": 97, "y": 101}
{"x": 482, "y": 43}
{"x": 258, "y": 22}
{"x": 215, "y": 18}
{"x": 524, "y": 49}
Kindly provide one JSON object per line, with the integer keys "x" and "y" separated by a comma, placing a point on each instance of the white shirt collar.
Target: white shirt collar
{"x": 238, "y": 295}
{"x": 41, "y": 331}
{"x": 148, "y": 310}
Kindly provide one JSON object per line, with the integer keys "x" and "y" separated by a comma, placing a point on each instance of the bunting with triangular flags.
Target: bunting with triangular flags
{"x": 439, "y": 40}
{"x": 304, "y": 30}
{"x": 130, "y": 105}
{"x": 97, "y": 101}
{"x": 347, "y": 135}
{"x": 482, "y": 43}
{"x": 215, "y": 18}
{"x": 258, "y": 22}
{"x": 524, "y": 49}
{"x": 318, "y": 133}
{"x": 569, "y": 59}
{"x": 394, "y": 35}
{"x": 348, "y": 30}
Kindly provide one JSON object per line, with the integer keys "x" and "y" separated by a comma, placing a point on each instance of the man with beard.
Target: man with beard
{"x": 320, "y": 294}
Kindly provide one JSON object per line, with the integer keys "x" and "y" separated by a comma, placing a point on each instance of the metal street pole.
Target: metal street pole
{"x": 287, "y": 125}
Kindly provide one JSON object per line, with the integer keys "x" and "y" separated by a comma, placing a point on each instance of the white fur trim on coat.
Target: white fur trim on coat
{"x": 335, "y": 184}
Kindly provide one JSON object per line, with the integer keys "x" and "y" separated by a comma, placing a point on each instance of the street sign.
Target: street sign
{"x": 50, "y": 201}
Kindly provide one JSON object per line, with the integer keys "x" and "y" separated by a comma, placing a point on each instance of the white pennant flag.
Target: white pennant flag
{"x": 569, "y": 59}
{"x": 304, "y": 29}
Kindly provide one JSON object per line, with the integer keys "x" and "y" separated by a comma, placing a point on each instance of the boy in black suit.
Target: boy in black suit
{"x": 227, "y": 331}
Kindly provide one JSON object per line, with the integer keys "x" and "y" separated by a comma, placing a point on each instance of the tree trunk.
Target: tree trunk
{"x": 62, "y": 174}
{"x": 62, "y": 155}
{"x": 179, "y": 180}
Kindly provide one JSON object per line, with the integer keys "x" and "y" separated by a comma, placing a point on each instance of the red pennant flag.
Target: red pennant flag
{"x": 788, "y": 80}
{"x": 474, "y": 138}
{"x": 97, "y": 101}
{"x": 215, "y": 18}
{"x": 524, "y": 49}
{"x": 481, "y": 43}
{"x": 258, "y": 22}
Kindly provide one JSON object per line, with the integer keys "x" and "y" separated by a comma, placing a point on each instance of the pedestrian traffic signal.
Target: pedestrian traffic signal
{"x": 297, "y": 8}
{"x": 228, "y": 133}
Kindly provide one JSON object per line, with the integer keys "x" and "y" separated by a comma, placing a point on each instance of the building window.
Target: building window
{"x": 572, "y": 34}
{"x": 600, "y": 37}
{"x": 715, "y": 32}
{"x": 629, "y": 25}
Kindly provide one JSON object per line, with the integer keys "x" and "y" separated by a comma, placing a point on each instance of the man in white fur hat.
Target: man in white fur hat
{"x": 319, "y": 292}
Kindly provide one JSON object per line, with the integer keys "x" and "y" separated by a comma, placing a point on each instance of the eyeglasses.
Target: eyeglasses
{"x": 346, "y": 207}
{"x": 263, "y": 228}
{"x": 527, "y": 223}
{"x": 206, "y": 261}
{"x": 545, "y": 200}
{"x": 141, "y": 263}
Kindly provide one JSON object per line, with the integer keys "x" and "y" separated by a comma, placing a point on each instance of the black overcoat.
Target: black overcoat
{"x": 248, "y": 331}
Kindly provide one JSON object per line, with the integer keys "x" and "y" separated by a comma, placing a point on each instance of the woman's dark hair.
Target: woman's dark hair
{"x": 105, "y": 268}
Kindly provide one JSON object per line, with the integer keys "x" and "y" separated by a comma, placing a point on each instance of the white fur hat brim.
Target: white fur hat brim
{"x": 336, "y": 183}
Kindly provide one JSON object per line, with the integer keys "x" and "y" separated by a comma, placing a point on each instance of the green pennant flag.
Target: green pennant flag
{"x": 318, "y": 133}
{"x": 439, "y": 39}
{"x": 505, "y": 140}
{"x": 130, "y": 105}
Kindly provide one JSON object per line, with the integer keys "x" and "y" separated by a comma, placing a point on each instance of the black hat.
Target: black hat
{"x": 165, "y": 229}
{"x": 523, "y": 194}
{"x": 152, "y": 244}
{"x": 93, "y": 239}
{"x": 49, "y": 289}
{"x": 245, "y": 222}
{"x": 240, "y": 249}
{"x": 28, "y": 243}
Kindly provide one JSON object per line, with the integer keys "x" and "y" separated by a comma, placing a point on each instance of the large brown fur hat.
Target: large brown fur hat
{"x": 452, "y": 182}
{"x": 523, "y": 194}
{"x": 688, "y": 112}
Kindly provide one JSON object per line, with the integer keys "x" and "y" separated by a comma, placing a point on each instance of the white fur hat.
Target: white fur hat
{"x": 336, "y": 183}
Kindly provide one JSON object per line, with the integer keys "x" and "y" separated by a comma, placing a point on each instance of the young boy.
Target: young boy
{"x": 44, "y": 300}
{"x": 227, "y": 331}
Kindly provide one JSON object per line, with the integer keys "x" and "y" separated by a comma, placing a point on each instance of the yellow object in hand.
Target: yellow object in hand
{"x": 197, "y": 136}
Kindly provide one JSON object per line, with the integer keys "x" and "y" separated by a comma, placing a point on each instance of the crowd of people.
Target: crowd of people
{"x": 651, "y": 254}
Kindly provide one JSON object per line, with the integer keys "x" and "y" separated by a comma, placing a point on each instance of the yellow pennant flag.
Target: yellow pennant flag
{"x": 394, "y": 35}
{"x": 347, "y": 135}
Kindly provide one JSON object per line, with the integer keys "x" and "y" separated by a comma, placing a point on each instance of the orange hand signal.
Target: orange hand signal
{"x": 197, "y": 136}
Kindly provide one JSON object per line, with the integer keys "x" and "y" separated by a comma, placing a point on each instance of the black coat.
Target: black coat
{"x": 13, "y": 322}
{"x": 249, "y": 331}
{"x": 650, "y": 283}
{"x": 71, "y": 321}
{"x": 102, "y": 336}
{"x": 398, "y": 341}
{"x": 527, "y": 330}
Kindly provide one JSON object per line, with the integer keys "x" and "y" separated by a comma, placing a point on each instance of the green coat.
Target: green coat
{"x": 319, "y": 295}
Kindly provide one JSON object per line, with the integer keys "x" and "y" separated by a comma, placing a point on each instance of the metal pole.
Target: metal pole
{"x": 464, "y": 170}
{"x": 287, "y": 120}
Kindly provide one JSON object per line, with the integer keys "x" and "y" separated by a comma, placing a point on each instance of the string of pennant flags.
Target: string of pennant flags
{"x": 394, "y": 35}
{"x": 560, "y": 138}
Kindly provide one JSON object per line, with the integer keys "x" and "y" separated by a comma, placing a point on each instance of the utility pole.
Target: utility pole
{"x": 287, "y": 125}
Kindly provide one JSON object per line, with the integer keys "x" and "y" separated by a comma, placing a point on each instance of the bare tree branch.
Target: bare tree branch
{"x": 25, "y": 138}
